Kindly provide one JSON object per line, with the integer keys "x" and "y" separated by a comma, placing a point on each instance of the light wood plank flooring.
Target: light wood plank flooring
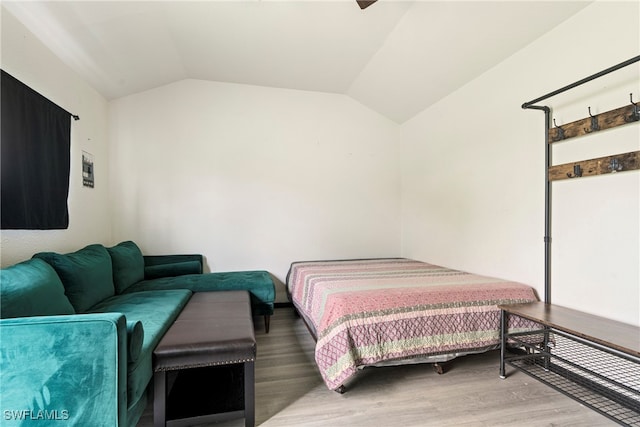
{"x": 290, "y": 392}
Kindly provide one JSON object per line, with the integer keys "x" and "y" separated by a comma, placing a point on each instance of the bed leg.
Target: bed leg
{"x": 441, "y": 367}
{"x": 342, "y": 389}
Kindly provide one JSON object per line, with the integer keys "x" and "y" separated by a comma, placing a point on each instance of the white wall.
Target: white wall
{"x": 254, "y": 177}
{"x": 473, "y": 171}
{"x": 257, "y": 177}
{"x": 25, "y": 58}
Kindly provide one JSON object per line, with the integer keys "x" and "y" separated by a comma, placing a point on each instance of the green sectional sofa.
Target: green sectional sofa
{"x": 78, "y": 330}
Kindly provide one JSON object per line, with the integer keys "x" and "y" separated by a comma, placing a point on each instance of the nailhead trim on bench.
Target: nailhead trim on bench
{"x": 204, "y": 365}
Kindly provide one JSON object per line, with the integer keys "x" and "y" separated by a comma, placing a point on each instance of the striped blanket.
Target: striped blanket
{"x": 363, "y": 312}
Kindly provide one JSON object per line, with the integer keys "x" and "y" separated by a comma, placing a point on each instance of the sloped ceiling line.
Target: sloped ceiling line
{"x": 395, "y": 57}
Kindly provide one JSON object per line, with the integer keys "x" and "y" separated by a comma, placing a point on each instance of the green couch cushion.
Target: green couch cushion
{"x": 156, "y": 310}
{"x": 172, "y": 269}
{"x": 128, "y": 265}
{"x": 86, "y": 275}
{"x": 258, "y": 283}
{"x": 32, "y": 288}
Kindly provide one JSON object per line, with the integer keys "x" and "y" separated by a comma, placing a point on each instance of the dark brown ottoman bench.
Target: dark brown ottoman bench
{"x": 213, "y": 331}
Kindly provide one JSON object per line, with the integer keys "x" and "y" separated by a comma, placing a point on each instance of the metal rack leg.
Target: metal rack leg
{"x": 503, "y": 341}
{"x": 545, "y": 343}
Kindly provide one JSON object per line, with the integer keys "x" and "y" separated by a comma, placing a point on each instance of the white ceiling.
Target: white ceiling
{"x": 396, "y": 57}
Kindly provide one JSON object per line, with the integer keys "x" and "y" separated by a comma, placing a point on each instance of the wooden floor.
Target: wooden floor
{"x": 290, "y": 392}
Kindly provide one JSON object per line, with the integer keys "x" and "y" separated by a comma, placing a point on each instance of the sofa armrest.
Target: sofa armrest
{"x": 69, "y": 369}
{"x": 156, "y": 266}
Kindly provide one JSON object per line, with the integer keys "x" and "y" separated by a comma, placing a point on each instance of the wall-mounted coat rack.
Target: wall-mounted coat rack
{"x": 628, "y": 113}
{"x": 599, "y": 166}
{"x": 610, "y": 119}
{"x": 594, "y": 123}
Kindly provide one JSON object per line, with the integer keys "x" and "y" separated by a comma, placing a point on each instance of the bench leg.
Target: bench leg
{"x": 267, "y": 320}
{"x": 159, "y": 399}
{"x": 249, "y": 394}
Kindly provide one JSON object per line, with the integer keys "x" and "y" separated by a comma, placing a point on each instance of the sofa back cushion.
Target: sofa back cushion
{"x": 128, "y": 265}
{"x": 172, "y": 269}
{"x": 86, "y": 275}
{"x": 32, "y": 288}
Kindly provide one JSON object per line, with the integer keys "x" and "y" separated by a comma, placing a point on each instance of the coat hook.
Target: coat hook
{"x": 577, "y": 172}
{"x": 559, "y": 132}
{"x": 615, "y": 165}
{"x": 635, "y": 113}
{"x": 594, "y": 123}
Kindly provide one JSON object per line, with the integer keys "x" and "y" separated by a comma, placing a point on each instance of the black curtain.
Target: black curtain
{"x": 35, "y": 158}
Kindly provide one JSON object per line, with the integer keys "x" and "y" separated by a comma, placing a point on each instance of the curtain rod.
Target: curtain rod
{"x": 580, "y": 82}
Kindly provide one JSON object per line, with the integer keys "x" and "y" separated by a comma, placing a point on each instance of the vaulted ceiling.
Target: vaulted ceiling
{"x": 396, "y": 57}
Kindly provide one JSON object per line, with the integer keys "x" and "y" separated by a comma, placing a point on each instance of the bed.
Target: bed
{"x": 376, "y": 312}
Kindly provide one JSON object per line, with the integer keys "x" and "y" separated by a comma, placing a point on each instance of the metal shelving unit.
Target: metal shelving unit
{"x": 592, "y": 359}
{"x": 595, "y": 361}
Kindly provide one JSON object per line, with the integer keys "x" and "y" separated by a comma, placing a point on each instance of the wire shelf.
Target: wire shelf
{"x": 603, "y": 380}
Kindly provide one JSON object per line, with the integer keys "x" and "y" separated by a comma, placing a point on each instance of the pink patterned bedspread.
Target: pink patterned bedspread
{"x": 364, "y": 312}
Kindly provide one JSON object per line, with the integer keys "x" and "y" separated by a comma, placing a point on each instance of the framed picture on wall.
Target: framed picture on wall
{"x": 87, "y": 169}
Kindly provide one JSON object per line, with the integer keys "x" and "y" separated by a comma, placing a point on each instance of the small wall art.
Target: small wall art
{"x": 87, "y": 169}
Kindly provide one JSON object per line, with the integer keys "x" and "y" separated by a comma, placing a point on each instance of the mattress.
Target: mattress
{"x": 377, "y": 311}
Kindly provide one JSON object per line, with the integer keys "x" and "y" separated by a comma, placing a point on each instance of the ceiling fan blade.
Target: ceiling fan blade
{"x": 365, "y": 3}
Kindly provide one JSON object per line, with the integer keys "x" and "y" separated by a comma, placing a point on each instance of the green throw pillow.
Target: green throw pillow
{"x": 32, "y": 288}
{"x": 86, "y": 275}
{"x": 128, "y": 265}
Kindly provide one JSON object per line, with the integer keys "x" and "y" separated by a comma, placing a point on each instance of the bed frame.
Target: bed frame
{"x": 448, "y": 314}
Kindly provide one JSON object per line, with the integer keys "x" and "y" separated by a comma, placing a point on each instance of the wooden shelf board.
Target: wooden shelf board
{"x": 610, "y": 333}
